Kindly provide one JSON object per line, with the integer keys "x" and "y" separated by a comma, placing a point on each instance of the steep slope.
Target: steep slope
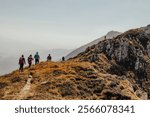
{"x": 65, "y": 80}
{"x": 115, "y": 68}
{"x": 109, "y": 35}
{"x": 127, "y": 55}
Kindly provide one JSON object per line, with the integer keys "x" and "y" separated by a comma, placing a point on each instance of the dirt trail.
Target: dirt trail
{"x": 25, "y": 91}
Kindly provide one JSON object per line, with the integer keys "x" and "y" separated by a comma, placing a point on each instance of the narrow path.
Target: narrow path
{"x": 25, "y": 90}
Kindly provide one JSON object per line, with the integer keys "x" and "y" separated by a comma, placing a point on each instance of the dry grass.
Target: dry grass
{"x": 66, "y": 80}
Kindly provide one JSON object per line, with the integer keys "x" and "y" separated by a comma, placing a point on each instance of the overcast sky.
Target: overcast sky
{"x": 69, "y": 23}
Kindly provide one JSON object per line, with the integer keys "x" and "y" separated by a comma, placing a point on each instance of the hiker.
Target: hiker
{"x": 49, "y": 57}
{"x": 30, "y": 59}
{"x": 37, "y": 58}
{"x": 63, "y": 58}
{"x": 21, "y": 63}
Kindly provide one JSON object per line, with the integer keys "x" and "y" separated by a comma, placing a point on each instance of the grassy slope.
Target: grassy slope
{"x": 65, "y": 80}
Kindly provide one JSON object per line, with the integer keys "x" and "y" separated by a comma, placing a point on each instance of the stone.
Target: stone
{"x": 2, "y": 85}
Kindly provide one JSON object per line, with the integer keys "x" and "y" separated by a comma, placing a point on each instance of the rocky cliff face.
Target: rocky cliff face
{"x": 115, "y": 68}
{"x": 127, "y": 55}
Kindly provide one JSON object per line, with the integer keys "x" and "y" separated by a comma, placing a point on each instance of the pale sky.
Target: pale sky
{"x": 69, "y": 23}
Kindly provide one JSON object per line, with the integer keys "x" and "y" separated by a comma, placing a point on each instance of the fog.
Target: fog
{"x": 58, "y": 26}
{"x": 10, "y": 51}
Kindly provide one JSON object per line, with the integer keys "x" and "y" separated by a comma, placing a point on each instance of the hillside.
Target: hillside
{"x": 65, "y": 80}
{"x": 115, "y": 68}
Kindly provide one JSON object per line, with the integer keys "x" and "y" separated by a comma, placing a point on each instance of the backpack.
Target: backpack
{"x": 21, "y": 60}
{"x": 36, "y": 56}
{"x": 29, "y": 59}
{"x": 49, "y": 57}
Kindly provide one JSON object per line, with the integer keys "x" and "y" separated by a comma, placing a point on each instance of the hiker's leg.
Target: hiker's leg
{"x": 20, "y": 68}
{"x": 29, "y": 64}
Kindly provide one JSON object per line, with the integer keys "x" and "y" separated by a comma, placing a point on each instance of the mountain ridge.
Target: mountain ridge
{"x": 108, "y": 70}
{"x": 82, "y": 48}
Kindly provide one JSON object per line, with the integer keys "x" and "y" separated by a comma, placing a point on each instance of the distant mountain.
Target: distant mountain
{"x": 109, "y": 35}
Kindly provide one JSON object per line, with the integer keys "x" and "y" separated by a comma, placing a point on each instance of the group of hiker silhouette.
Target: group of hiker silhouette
{"x": 30, "y": 59}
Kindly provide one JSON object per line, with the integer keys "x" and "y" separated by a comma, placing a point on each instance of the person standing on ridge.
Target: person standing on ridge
{"x": 49, "y": 58}
{"x": 37, "y": 58}
{"x": 63, "y": 58}
{"x": 30, "y": 59}
{"x": 22, "y": 62}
